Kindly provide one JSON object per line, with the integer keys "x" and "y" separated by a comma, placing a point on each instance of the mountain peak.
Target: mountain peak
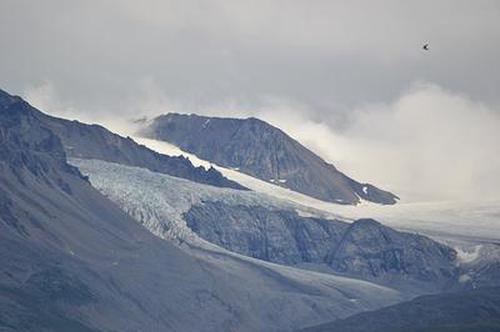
{"x": 261, "y": 150}
{"x": 7, "y": 100}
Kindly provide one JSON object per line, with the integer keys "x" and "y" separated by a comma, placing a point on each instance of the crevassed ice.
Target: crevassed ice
{"x": 158, "y": 201}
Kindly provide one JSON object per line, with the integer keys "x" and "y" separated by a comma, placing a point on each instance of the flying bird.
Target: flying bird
{"x": 426, "y": 47}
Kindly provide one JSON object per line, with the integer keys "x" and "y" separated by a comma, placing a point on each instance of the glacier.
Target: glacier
{"x": 158, "y": 201}
{"x": 274, "y": 232}
{"x": 447, "y": 221}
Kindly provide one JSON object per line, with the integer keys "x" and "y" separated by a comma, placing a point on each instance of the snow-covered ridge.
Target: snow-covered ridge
{"x": 243, "y": 179}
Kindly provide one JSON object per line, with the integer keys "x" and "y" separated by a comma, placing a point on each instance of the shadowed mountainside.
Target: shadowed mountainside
{"x": 470, "y": 311}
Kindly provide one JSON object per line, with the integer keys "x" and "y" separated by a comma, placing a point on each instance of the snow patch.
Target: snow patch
{"x": 305, "y": 214}
{"x": 468, "y": 255}
{"x": 464, "y": 278}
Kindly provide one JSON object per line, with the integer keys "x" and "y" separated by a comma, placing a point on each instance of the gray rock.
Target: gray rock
{"x": 364, "y": 249}
{"x": 279, "y": 236}
{"x": 376, "y": 252}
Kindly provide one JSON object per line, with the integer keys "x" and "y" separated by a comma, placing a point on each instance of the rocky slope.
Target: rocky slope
{"x": 364, "y": 249}
{"x": 261, "y": 150}
{"x": 476, "y": 310}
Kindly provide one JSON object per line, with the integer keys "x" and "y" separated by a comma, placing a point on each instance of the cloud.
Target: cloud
{"x": 45, "y": 97}
{"x": 428, "y": 144}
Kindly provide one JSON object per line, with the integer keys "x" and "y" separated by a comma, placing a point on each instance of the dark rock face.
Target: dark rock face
{"x": 376, "y": 252}
{"x": 263, "y": 151}
{"x": 364, "y": 249}
{"x": 475, "y": 310}
{"x": 276, "y": 236}
{"x": 36, "y": 287}
{"x": 25, "y": 142}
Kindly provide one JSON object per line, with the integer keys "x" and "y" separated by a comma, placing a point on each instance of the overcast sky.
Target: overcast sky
{"x": 347, "y": 78}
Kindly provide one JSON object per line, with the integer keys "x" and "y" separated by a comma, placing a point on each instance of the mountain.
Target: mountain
{"x": 256, "y": 148}
{"x": 472, "y": 311}
{"x": 96, "y": 142}
{"x": 89, "y": 244}
{"x": 72, "y": 260}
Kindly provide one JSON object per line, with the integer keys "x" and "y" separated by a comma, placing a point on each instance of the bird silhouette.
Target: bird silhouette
{"x": 426, "y": 47}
